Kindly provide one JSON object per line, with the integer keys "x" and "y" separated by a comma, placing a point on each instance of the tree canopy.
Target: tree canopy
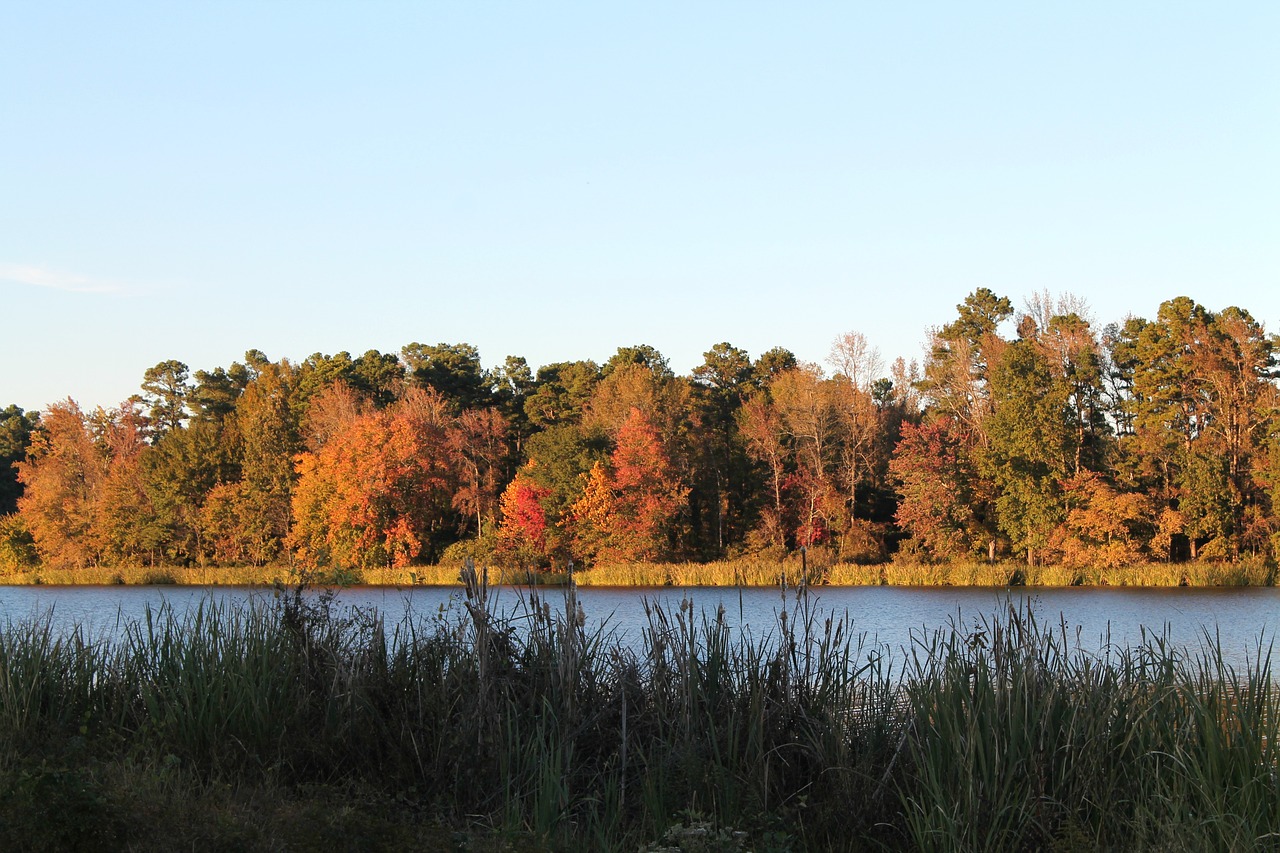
{"x": 1032, "y": 434}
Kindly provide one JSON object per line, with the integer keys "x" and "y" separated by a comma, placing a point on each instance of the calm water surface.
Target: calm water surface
{"x": 1243, "y": 619}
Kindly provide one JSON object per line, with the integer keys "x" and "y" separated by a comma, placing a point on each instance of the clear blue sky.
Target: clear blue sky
{"x": 191, "y": 180}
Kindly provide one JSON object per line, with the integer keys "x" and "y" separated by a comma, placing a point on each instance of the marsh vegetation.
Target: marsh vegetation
{"x": 282, "y": 724}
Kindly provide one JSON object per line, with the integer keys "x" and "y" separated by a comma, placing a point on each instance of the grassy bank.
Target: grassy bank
{"x": 296, "y": 725}
{"x": 747, "y": 571}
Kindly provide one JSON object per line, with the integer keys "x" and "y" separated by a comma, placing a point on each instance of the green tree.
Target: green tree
{"x": 317, "y": 372}
{"x": 562, "y": 455}
{"x": 454, "y": 370}
{"x": 955, "y": 380}
{"x": 1198, "y": 392}
{"x": 775, "y": 361}
{"x": 16, "y": 428}
{"x": 165, "y": 388}
{"x": 1029, "y": 448}
{"x": 640, "y": 355}
{"x": 512, "y": 385}
{"x": 178, "y": 472}
{"x": 215, "y": 393}
{"x": 380, "y": 376}
{"x": 561, "y": 393}
{"x": 720, "y": 471}
{"x": 269, "y": 431}
{"x": 726, "y": 369}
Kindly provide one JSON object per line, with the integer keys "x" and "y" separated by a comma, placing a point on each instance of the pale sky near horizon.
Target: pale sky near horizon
{"x": 192, "y": 180}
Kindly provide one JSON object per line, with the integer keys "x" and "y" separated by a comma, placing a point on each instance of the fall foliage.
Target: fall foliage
{"x": 1029, "y": 434}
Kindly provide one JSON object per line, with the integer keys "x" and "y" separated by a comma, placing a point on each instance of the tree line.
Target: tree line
{"x": 1028, "y": 434}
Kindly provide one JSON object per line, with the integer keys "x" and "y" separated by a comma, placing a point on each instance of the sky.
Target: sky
{"x": 192, "y": 180}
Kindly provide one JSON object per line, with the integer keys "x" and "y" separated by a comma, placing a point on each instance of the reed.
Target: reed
{"x": 1003, "y": 735}
{"x": 153, "y": 575}
{"x": 744, "y": 571}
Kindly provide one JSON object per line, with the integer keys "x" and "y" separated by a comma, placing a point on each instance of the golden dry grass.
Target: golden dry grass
{"x": 746, "y": 571}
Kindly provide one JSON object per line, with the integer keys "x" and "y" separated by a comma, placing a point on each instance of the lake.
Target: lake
{"x": 1240, "y": 617}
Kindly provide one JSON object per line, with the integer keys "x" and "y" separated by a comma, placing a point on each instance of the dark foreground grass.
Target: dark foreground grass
{"x": 299, "y": 727}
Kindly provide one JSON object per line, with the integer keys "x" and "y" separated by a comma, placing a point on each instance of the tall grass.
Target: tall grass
{"x": 744, "y": 571}
{"x": 1004, "y": 735}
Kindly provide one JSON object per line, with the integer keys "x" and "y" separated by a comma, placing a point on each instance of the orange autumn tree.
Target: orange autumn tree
{"x": 63, "y": 476}
{"x": 1104, "y": 527}
{"x": 627, "y": 507}
{"x": 372, "y": 495}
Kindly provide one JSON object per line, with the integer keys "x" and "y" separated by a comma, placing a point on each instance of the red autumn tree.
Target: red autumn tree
{"x": 626, "y": 510}
{"x": 935, "y": 479}
{"x": 522, "y": 534}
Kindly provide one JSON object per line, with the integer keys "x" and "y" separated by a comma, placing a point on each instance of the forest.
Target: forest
{"x": 1029, "y": 435}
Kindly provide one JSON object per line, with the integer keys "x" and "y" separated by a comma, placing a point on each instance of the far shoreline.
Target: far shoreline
{"x": 737, "y": 573}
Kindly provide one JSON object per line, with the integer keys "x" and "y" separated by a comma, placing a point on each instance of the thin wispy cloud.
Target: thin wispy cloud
{"x": 35, "y": 276}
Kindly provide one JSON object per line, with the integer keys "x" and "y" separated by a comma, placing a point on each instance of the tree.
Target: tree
{"x": 955, "y": 381}
{"x": 640, "y": 355}
{"x": 1104, "y": 527}
{"x": 178, "y": 473}
{"x": 561, "y": 393}
{"x": 454, "y": 370}
{"x": 807, "y": 405}
{"x": 269, "y": 430}
{"x": 662, "y": 398}
{"x": 330, "y": 412}
{"x": 165, "y": 388}
{"x": 1074, "y": 358}
{"x": 126, "y": 526}
{"x": 16, "y": 429}
{"x": 853, "y": 357}
{"x": 937, "y": 481}
{"x": 379, "y": 376}
{"x": 61, "y": 478}
{"x": 720, "y": 470}
{"x": 860, "y": 419}
{"x": 215, "y": 393}
{"x": 1199, "y": 394}
{"x": 317, "y": 372}
{"x": 765, "y": 436}
{"x": 477, "y": 443}
{"x": 560, "y": 457}
{"x": 626, "y": 509}
{"x": 523, "y": 533}
{"x": 375, "y": 494}
{"x": 775, "y": 361}
{"x": 1029, "y": 445}
{"x": 512, "y": 385}
{"x": 725, "y": 368}
{"x": 238, "y": 526}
